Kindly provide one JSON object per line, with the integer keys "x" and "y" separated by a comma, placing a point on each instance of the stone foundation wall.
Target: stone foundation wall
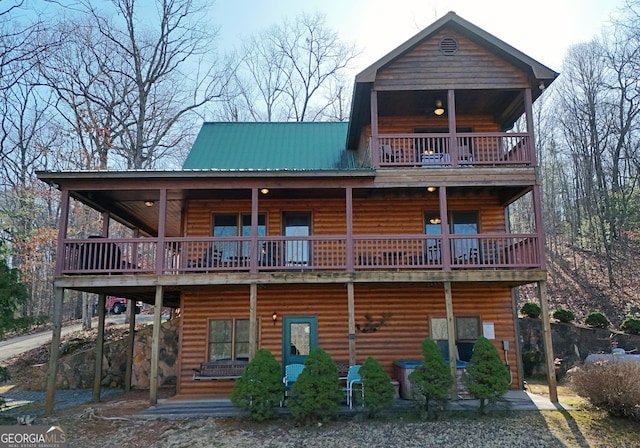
{"x": 571, "y": 344}
{"x": 76, "y": 371}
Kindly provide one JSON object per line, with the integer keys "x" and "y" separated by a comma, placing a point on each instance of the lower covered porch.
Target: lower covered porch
{"x": 350, "y": 321}
{"x": 385, "y": 315}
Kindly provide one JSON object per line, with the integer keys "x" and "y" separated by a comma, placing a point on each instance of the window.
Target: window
{"x": 234, "y": 224}
{"x": 467, "y": 328}
{"x": 460, "y": 223}
{"x": 297, "y": 251}
{"x": 228, "y": 339}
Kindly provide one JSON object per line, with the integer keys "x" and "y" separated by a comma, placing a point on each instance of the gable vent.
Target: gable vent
{"x": 448, "y": 46}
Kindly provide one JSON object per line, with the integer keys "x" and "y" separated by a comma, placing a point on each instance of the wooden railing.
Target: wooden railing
{"x": 438, "y": 150}
{"x": 279, "y": 253}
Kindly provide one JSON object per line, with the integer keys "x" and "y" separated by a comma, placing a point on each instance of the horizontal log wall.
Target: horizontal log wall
{"x": 471, "y": 67}
{"x": 408, "y": 124}
{"x": 409, "y": 306}
{"x": 403, "y": 213}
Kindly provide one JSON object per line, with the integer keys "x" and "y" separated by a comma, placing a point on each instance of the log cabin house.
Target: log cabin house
{"x": 361, "y": 237}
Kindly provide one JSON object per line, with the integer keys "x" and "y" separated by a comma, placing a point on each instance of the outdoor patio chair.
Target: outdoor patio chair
{"x": 291, "y": 374}
{"x": 387, "y": 153}
{"x": 354, "y": 379}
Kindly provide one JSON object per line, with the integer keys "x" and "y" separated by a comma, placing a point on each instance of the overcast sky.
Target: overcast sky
{"x": 543, "y": 29}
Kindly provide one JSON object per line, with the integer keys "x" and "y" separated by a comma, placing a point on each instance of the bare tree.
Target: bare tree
{"x": 128, "y": 89}
{"x": 293, "y": 71}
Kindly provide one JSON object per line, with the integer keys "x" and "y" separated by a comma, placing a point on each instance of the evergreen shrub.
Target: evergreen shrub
{"x": 631, "y": 325}
{"x": 315, "y": 395}
{"x": 597, "y": 320}
{"x": 531, "y": 309}
{"x": 378, "y": 390}
{"x": 563, "y": 315}
{"x": 486, "y": 377}
{"x": 259, "y": 389}
{"x": 432, "y": 381}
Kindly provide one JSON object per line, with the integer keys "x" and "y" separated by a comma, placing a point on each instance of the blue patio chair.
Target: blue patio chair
{"x": 353, "y": 379}
{"x": 291, "y": 374}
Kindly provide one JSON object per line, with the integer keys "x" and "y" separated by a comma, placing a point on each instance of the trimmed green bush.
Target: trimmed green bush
{"x": 259, "y": 389}
{"x": 563, "y": 315}
{"x": 631, "y": 325}
{"x": 531, "y": 309}
{"x": 432, "y": 381}
{"x": 486, "y": 377}
{"x": 597, "y": 320}
{"x": 378, "y": 390}
{"x": 613, "y": 387}
{"x": 315, "y": 396}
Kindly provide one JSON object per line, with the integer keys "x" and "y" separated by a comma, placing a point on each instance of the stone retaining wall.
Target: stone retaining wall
{"x": 76, "y": 371}
{"x": 571, "y": 344}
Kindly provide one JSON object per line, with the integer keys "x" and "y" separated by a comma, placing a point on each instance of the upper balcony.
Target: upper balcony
{"x": 107, "y": 256}
{"x": 444, "y": 150}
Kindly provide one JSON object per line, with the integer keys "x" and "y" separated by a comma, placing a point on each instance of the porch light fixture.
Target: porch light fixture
{"x": 431, "y": 189}
{"x": 439, "y": 110}
{"x": 274, "y": 317}
{"x": 149, "y": 203}
{"x": 435, "y": 220}
{"x": 264, "y": 191}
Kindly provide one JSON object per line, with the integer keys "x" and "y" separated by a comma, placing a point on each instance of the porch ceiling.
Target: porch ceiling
{"x": 128, "y": 206}
{"x": 468, "y": 102}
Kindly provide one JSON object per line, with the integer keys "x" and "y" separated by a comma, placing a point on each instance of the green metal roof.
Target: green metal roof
{"x": 271, "y": 146}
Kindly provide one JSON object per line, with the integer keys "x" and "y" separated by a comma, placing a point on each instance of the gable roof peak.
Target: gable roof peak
{"x": 457, "y": 23}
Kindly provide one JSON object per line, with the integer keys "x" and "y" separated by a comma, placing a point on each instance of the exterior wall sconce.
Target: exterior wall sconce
{"x": 431, "y": 189}
{"x": 264, "y": 191}
{"x": 149, "y": 203}
{"x": 439, "y": 110}
{"x": 274, "y": 317}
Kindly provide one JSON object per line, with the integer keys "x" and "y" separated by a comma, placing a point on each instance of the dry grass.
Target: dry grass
{"x": 585, "y": 425}
{"x": 111, "y": 423}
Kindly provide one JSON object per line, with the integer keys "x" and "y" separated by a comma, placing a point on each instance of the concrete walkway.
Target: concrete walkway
{"x": 176, "y": 407}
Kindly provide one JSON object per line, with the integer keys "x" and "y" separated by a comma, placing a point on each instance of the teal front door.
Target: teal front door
{"x": 299, "y": 337}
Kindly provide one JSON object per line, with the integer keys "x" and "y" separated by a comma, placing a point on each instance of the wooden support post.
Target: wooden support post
{"x": 375, "y": 143}
{"x": 253, "y": 320}
{"x": 155, "y": 348}
{"x": 97, "y": 376}
{"x": 54, "y": 354}
{"x": 548, "y": 345}
{"x": 445, "y": 248}
{"x": 352, "y": 323}
{"x": 254, "y": 251}
{"x": 130, "y": 340}
{"x": 451, "y": 336}
{"x": 451, "y": 114}
{"x": 349, "y": 216}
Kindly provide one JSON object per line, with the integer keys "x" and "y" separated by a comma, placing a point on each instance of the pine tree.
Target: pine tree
{"x": 316, "y": 393}
{"x": 486, "y": 377}
{"x": 13, "y": 293}
{"x": 432, "y": 380}
{"x": 378, "y": 390}
{"x": 259, "y": 389}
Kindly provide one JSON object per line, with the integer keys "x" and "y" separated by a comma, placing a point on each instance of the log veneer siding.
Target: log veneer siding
{"x": 410, "y": 307}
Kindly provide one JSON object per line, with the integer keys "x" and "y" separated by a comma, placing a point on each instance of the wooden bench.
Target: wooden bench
{"x": 219, "y": 370}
